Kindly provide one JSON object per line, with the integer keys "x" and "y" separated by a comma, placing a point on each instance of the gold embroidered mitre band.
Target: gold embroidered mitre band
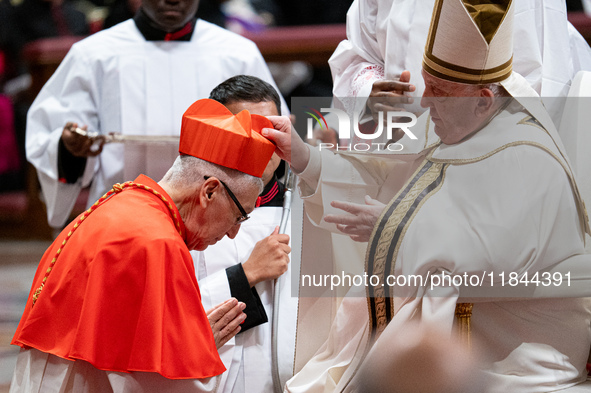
{"x": 470, "y": 41}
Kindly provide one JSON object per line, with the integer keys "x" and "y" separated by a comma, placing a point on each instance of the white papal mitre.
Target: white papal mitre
{"x": 470, "y": 41}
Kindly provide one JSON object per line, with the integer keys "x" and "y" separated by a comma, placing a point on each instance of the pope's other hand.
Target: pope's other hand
{"x": 360, "y": 221}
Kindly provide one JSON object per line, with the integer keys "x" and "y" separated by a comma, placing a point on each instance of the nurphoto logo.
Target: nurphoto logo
{"x": 389, "y": 122}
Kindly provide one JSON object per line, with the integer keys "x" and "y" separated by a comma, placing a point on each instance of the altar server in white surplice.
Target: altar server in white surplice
{"x": 245, "y": 267}
{"x": 134, "y": 78}
{"x": 485, "y": 189}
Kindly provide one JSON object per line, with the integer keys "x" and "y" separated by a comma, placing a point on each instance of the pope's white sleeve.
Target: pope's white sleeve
{"x": 70, "y": 95}
{"x": 330, "y": 177}
{"x": 309, "y": 177}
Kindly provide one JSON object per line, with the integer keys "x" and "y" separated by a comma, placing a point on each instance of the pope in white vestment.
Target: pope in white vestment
{"x": 501, "y": 200}
{"x": 117, "y": 80}
{"x": 499, "y": 220}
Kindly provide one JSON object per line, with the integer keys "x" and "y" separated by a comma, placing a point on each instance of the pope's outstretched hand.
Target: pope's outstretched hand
{"x": 290, "y": 147}
{"x": 360, "y": 221}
